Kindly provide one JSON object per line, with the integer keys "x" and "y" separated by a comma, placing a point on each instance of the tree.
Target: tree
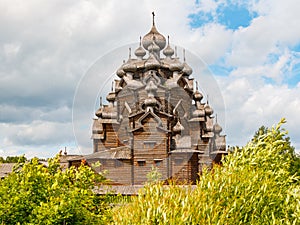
{"x": 287, "y": 149}
{"x": 13, "y": 159}
{"x": 35, "y": 194}
{"x": 254, "y": 186}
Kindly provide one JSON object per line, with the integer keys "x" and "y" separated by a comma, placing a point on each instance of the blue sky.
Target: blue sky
{"x": 231, "y": 15}
{"x": 51, "y": 53}
{"x": 234, "y": 16}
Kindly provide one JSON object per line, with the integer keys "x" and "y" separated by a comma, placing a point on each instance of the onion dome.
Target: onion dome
{"x": 187, "y": 69}
{"x": 198, "y": 96}
{"x": 150, "y": 101}
{"x": 208, "y": 109}
{"x": 151, "y": 87}
{"x": 140, "y": 52}
{"x": 168, "y": 51}
{"x": 152, "y": 62}
{"x": 111, "y": 97}
{"x": 129, "y": 67}
{"x": 120, "y": 72}
{"x": 178, "y": 128}
{"x": 176, "y": 65}
{"x": 217, "y": 128}
{"x": 99, "y": 112}
{"x": 160, "y": 40}
{"x": 153, "y": 48}
{"x": 199, "y": 113}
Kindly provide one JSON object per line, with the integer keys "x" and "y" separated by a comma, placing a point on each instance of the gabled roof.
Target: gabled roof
{"x": 122, "y": 152}
{"x": 146, "y": 115}
{"x": 6, "y": 168}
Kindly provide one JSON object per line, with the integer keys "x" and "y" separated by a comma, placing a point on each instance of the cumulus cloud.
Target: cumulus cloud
{"x": 251, "y": 104}
{"x": 211, "y": 42}
{"x": 41, "y": 133}
{"x": 45, "y": 138}
{"x": 272, "y": 31}
{"x": 51, "y": 54}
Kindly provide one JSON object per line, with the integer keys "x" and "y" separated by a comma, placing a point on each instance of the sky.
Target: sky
{"x": 57, "y": 57}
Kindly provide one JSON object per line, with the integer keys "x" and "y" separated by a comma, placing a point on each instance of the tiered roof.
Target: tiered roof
{"x": 157, "y": 69}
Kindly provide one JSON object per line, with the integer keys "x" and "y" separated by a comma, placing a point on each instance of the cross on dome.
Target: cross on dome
{"x": 154, "y": 35}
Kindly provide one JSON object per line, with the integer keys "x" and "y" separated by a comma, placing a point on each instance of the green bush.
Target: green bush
{"x": 35, "y": 194}
{"x": 257, "y": 184}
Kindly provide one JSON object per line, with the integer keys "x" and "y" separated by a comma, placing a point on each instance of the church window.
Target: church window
{"x": 149, "y": 144}
{"x": 158, "y": 162}
{"x": 141, "y": 162}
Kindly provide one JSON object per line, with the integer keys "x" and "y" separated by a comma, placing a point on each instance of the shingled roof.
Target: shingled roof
{"x": 122, "y": 152}
{"x": 6, "y": 168}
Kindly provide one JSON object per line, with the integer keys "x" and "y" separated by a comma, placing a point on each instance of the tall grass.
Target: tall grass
{"x": 254, "y": 186}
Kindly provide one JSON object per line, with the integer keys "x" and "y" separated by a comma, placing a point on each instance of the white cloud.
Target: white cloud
{"x": 38, "y": 133}
{"x": 46, "y": 47}
{"x": 251, "y": 104}
{"x": 11, "y": 50}
{"x": 277, "y": 70}
{"x": 282, "y": 18}
{"x": 44, "y": 138}
{"x": 211, "y": 42}
{"x": 275, "y": 29}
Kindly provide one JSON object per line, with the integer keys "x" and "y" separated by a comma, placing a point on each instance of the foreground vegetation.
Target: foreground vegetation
{"x": 257, "y": 184}
{"x": 35, "y": 194}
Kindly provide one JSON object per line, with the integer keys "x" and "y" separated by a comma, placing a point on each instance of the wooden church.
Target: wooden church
{"x": 155, "y": 118}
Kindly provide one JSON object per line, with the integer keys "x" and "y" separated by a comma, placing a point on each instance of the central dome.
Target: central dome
{"x": 155, "y": 36}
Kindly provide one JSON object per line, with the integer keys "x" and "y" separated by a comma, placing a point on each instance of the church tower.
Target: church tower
{"x": 155, "y": 118}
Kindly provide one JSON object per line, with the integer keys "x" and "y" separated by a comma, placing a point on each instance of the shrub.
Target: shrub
{"x": 35, "y": 194}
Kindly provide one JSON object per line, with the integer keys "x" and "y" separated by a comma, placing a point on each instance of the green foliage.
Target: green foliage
{"x": 287, "y": 150}
{"x": 35, "y": 194}
{"x": 255, "y": 185}
{"x": 154, "y": 175}
{"x": 13, "y": 159}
